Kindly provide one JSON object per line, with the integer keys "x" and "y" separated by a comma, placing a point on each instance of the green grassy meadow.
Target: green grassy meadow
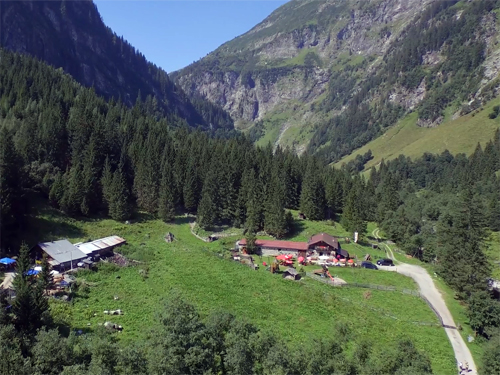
{"x": 298, "y": 311}
{"x": 406, "y": 138}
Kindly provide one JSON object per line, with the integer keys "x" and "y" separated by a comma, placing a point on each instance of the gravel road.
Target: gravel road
{"x": 429, "y": 291}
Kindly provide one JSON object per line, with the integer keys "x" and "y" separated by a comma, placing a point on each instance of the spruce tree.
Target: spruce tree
{"x": 312, "y": 197}
{"x": 352, "y": 216}
{"x": 29, "y": 306}
{"x": 45, "y": 278}
{"x": 460, "y": 237}
{"x": 275, "y": 222}
{"x": 250, "y": 238}
{"x": 191, "y": 189}
{"x": 10, "y": 181}
{"x": 494, "y": 212}
{"x": 208, "y": 209}
{"x": 119, "y": 206}
{"x": 166, "y": 208}
{"x": 57, "y": 189}
{"x": 107, "y": 181}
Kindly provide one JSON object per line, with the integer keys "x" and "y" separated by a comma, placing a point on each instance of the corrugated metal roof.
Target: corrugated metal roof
{"x": 62, "y": 251}
{"x": 113, "y": 240}
{"x": 101, "y": 244}
{"x": 88, "y": 247}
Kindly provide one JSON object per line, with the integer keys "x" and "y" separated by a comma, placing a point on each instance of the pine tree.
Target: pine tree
{"x": 166, "y": 208}
{"x": 312, "y": 197}
{"x": 10, "y": 180}
{"x": 254, "y": 210}
{"x": 107, "y": 181}
{"x": 352, "y": 217}
{"x": 461, "y": 234}
{"x": 57, "y": 189}
{"x": 29, "y": 306}
{"x": 45, "y": 278}
{"x": 275, "y": 222}
{"x": 389, "y": 196}
{"x": 208, "y": 209}
{"x": 191, "y": 189}
{"x": 494, "y": 212}
{"x": 119, "y": 206}
{"x": 72, "y": 199}
{"x": 250, "y": 238}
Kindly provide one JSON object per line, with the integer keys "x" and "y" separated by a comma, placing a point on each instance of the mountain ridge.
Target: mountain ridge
{"x": 327, "y": 76}
{"x": 72, "y": 35}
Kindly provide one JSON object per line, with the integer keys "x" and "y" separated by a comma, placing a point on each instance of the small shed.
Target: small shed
{"x": 101, "y": 247}
{"x": 291, "y": 274}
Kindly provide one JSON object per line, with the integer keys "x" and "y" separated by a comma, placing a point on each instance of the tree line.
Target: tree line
{"x": 91, "y": 157}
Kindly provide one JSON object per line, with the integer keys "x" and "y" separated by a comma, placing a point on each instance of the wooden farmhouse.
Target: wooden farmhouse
{"x": 319, "y": 244}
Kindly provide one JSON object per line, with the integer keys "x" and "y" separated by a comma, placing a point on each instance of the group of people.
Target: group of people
{"x": 464, "y": 368}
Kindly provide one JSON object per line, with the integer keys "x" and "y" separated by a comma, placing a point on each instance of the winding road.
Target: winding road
{"x": 435, "y": 299}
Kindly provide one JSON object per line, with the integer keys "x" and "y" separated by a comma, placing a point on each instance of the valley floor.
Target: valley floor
{"x": 299, "y": 311}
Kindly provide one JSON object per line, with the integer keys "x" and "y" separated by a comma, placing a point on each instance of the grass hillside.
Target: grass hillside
{"x": 406, "y": 138}
{"x": 299, "y": 311}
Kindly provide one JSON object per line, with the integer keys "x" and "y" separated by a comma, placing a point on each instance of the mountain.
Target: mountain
{"x": 71, "y": 35}
{"x": 328, "y": 76}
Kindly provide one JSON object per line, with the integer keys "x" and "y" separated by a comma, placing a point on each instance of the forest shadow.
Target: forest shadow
{"x": 297, "y": 227}
{"x": 180, "y": 220}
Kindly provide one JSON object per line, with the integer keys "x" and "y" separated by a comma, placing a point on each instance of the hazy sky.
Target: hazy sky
{"x": 174, "y": 33}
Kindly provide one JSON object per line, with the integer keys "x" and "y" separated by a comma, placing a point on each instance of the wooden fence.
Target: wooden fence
{"x": 383, "y": 287}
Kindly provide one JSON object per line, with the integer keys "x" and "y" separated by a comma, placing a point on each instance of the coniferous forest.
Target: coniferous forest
{"x": 90, "y": 157}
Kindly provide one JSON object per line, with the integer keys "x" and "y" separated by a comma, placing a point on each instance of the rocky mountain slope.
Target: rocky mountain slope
{"x": 330, "y": 75}
{"x": 71, "y": 35}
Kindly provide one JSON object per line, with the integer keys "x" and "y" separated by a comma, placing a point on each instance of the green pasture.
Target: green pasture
{"x": 299, "y": 311}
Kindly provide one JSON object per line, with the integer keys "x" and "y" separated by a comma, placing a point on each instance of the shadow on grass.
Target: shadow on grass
{"x": 297, "y": 227}
{"x": 180, "y": 220}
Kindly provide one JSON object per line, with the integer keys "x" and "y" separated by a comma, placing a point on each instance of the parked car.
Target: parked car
{"x": 385, "y": 262}
{"x": 369, "y": 265}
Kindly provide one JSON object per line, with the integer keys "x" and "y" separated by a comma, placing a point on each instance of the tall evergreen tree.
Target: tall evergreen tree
{"x": 209, "y": 209}
{"x": 118, "y": 204}
{"x": 461, "y": 234}
{"x": 57, "y": 189}
{"x": 166, "y": 209}
{"x": 191, "y": 188}
{"x": 312, "y": 197}
{"x": 30, "y": 306}
{"x": 10, "y": 181}
{"x": 275, "y": 222}
{"x": 352, "y": 216}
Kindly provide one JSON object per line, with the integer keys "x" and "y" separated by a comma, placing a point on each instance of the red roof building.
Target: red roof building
{"x": 278, "y": 245}
{"x": 321, "y": 244}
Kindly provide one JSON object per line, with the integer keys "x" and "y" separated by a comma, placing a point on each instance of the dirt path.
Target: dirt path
{"x": 191, "y": 226}
{"x": 435, "y": 299}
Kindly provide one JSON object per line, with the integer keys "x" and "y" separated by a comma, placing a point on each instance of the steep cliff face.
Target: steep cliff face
{"x": 72, "y": 35}
{"x": 297, "y": 46}
{"x": 332, "y": 74}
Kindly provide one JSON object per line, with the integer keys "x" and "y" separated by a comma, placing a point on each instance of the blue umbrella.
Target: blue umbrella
{"x": 7, "y": 261}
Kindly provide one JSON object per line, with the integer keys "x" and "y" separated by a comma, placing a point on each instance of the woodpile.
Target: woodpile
{"x": 119, "y": 260}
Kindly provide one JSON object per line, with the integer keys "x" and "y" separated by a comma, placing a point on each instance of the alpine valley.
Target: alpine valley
{"x": 329, "y": 76}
